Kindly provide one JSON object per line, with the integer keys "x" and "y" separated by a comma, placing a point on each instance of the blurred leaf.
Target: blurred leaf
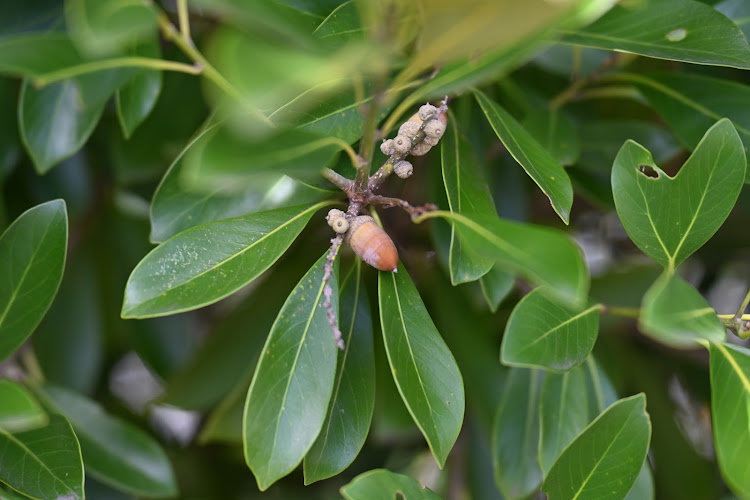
{"x": 206, "y": 263}
{"x": 679, "y": 30}
{"x": 543, "y": 256}
{"x": 40, "y": 15}
{"x": 350, "y": 410}
{"x": 10, "y": 142}
{"x": 669, "y": 218}
{"x": 137, "y": 98}
{"x": 690, "y": 103}
{"x": 342, "y": 26}
{"x": 423, "y": 367}
{"x": 382, "y": 483}
{"x": 43, "y": 463}
{"x": 114, "y": 451}
{"x": 602, "y": 139}
{"x": 34, "y": 54}
{"x": 496, "y": 285}
{"x": 101, "y": 27}
{"x": 557, "y": 134}
{"x": 643, "y": 489}
{"x": 231, "y": 163}
{"x": 175, "y": 209}
{"x": 288, "y": 397}
{"x": 468, "y": 195}
{"x": 32, "y": 258}
{"x": 546, "y": 172}
{"x": 515, "y": 434}
{"x": 730, "y": 413}
{"x": 224, "y": 424}
{"x": 564, "y": 412}
{"x": 601, "y": 393}
{"x": 57, "y": 120}
{"x": 18, "y": 408}
{"x": 606, "y": 458}
{"x": 738, "y": 11}
{"x": 674, "y": 313}
{"x": 542, "y": 333}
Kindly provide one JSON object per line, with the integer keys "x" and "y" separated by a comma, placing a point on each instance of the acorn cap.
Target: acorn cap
{"x": 355, "y": 223}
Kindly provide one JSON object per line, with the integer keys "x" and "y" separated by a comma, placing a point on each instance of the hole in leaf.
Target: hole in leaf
{"x": 676, "y": 35}
{"x": 400, "y": 496}
{"x": 648, "y": 171}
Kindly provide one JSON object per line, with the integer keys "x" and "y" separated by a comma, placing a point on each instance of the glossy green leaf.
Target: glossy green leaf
{"x": 515, "y": 435}
{"x": 34, "y": 54}
{"x": 690, "y": 103}
{"x": 114, "y": 451}
{"x": 675, "y": 313}
{"x": 468, "y": 195}
{"x": 546, "y": 172}
{"x": 43, "y": 463}
{"x": 542, "y": 333}
{"x": 669, "y": 218}
{"x": 730, "y": 413}
{"x": 564, "y": 412}
{"x": 342, "y": 26}
{"x": 350, "y": 410}
{"x": 557, "y": 134}
{"x": 543, "y": 256}
{"x": 55, "y": 121}
{"x": 206, "y": 263}
{"x": 32, "y": 258}
{"x": 680, "y": 30}
{"x": 289, "y": 395}
{"x": 496, "y": 285}
{"x": 137, "y": 98}
{"x": 232, "y": 163}
{"x": 175, "y": 209}
{"x": 105, "y": 26}
{"x": 18, "y": 409}
{"x": 382, "y": 483}
{"x": 423, "y": 367}
{"x": 606, "y": 458}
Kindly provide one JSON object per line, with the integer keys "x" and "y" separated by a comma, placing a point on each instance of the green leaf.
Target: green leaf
{"x": 206, "y": 263}
{"x": 674, "y": 313}
{"x": 515, "y": 435}
{"x": 643, "y": 489}
{"x": 730, "y": 413}
{"x": 496, "y": 285}
{"x": 542, "y": 333}
{"x": 224, "y": 424}
{"x": 468, "y": 195}
{"x": 34, "y": 54}
{"x": 353, "y": 399}
{"x": 229, "y": 162}
{"x": 543, "y": 256}
{"x": 669, "y": 218}
{"x": 557, "y": 133}
{"x": 18, "y": 409}
{"x": 137, "y": 98}
{"x": 342, "y": 26}
{"x": 55, "y": 121}
{"x": 175, "y": 209}
{"x": 564, "y": 412}
{"x": 43, "y": 463}
{"x": 288, "y": 397}
{"x": 606, "y": 458}
{"x": 679, "y": 30}
{"x": 382, "y": 483}
{"x": 546, "y": 172}
{"x": 114, "y": 451}
{"x": 738, "y": 11}
{"x": 32, "y": 258}
{"x": 423, "y": 367}
{"x": 690, "y": 103}
{"x": 105, "y": 26}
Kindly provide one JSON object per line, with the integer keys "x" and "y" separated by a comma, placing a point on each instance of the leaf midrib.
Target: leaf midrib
{"x": 557, "y": 327}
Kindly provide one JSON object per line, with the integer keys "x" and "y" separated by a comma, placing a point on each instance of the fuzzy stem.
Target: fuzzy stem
{"x": 413, "y": 211}
{"x": 328, "y": 291}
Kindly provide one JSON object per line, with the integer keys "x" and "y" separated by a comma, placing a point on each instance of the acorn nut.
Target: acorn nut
{"x": 403, "y": 169}
{"x": 372, "y": 244}
{"x": 420, "y": 149}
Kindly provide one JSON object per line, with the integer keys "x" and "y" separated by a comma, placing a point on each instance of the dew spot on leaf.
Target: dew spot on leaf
{"x": 676, "y": 35}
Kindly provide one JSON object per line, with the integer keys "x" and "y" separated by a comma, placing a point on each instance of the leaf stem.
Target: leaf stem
{"x": 338, "y": 180}
{"x": 743, "y": 306}
{"x": 120, "y": 62}
{"x": 30, "y": 362}
{"x": 623, "y": 312}
{"x": 182, "y": 13}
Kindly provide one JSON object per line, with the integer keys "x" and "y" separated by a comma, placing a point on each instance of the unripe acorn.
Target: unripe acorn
{"x": 403, "y": 169}
{"x": 387, "y": 147}
{"x": 402, "y": 144}
{"x": 372, "y": 244}
{"x": 337, "y": 220}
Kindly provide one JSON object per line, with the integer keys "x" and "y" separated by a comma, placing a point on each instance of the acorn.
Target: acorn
{"x": 337, "y": 220}
{"x": 403, "y": 169}
{"x": 426, "y": 111}
{"x": 372, "y": 244}
{"x": 402, "y": 144}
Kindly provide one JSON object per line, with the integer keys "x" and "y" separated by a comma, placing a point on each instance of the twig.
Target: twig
{"x": 413, "y": 211}
{"x": 328, "y": 291}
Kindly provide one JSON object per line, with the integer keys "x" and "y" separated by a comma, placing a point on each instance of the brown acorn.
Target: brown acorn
{"x": 372, "y": 244}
